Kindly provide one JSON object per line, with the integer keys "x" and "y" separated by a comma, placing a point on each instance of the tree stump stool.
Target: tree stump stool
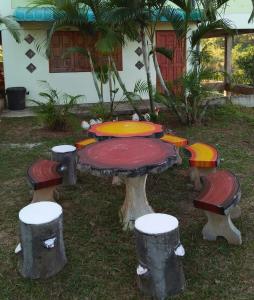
{"x": 67, "y": 156}
{"x": 42, "y": 247}
{"x": 160, "y": 273}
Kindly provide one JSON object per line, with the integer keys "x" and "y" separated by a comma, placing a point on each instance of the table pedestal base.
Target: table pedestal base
{"x": 135, "y": 204}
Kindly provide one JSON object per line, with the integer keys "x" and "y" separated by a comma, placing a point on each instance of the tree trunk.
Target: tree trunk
{"x": 123, "y": 87}
{"x": 42, "y": 247}
{"x": 67, "y": 156}
{"x": 94, "y": 76}
{"x": 165, "y": 89}
{"x": 160, "y": 273}
{"x": 110, "y": 86}
{"x": 147, "y": 68}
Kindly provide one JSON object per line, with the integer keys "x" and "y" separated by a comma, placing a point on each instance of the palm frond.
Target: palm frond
{"x": 251, "y": 18}
{"x": 12, "y": 26}
{"x": 72, "y": 50}
{"x": 176, "y": 18}
{"x": 208, "y": 26}
{"x": 140, "y": 87}
{"x": 168, "y": 53}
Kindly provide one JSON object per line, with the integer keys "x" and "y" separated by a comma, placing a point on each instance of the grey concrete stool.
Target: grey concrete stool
{"x": 67, "y": 156}
{"x": 160, "y": 273}
{"x": 42, "y": 251}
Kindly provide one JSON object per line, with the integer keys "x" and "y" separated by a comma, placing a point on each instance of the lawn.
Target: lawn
{"x": 101, "y": 257}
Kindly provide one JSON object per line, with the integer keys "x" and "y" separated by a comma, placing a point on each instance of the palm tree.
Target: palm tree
{"x": 87, "y": 17}
{"x": 12, "y": 26}
{"x": 188, "y": 109}
{"x": 138, "y": 19}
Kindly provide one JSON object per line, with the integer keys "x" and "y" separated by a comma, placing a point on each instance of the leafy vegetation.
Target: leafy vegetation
{"x": 55, "y": 110}
{"x": 189, "y": 94}
{"x": 117, "y": 21}
{"x": 12, "y": 26}
{"x": 242, "y": 58}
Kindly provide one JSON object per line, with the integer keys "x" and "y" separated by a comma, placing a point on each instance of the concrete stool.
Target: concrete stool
{"x": 42, "y": 252}
{"x": 160, "y": 273}
{"x": 67, "y": 156}
{"x": 219, "y": 199}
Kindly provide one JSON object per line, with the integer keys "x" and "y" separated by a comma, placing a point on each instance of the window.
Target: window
{"x": 76, "y": 62}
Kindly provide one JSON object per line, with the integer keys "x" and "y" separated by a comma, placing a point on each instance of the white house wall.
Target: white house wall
{"x": 16, "y": 74}
{"x": 239, "y": 11}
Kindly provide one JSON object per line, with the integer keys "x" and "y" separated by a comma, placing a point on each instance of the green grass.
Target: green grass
{"x": 101, "y": 257}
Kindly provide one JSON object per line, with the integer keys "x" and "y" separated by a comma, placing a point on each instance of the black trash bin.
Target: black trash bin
{"x": 16, "y": 98}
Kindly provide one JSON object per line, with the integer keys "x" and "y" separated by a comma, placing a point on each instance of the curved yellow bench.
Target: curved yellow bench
{"x": 84, "y": 143}
{"x": 203, "y": 156}
{"x": 175, "y": 140}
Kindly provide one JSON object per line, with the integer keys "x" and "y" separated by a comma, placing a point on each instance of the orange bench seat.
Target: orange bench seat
{"x": 221, "y": 191}
{"x": 175, "y": 140}
{"x": 83, "y": 143}
{"x": 203, "y": 156}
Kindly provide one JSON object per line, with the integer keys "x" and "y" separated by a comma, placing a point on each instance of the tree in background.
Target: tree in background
{"x": 242, "y": 57}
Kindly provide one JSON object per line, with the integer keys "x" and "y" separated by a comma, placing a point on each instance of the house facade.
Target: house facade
{"x": 25, "y": 66}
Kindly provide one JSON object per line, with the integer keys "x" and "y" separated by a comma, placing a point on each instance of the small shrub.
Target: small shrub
{"x": 101, "y": 110}
{"x": 55, "y": 112}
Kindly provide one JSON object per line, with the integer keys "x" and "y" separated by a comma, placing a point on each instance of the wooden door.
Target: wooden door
{"x": 171, "y": 69}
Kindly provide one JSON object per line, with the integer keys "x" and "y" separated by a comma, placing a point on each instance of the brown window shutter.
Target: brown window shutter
{"x": 59, "y": 43}
{"x": 76, "y": 62}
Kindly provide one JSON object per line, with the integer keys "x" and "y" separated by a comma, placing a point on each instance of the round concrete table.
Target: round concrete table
{"x": 125, "y": 129}
{"x": 131, "y": 159}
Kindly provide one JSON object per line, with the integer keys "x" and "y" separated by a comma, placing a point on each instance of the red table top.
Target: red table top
{"x": 127, "y": 156}
{"x": 126, "y": 129}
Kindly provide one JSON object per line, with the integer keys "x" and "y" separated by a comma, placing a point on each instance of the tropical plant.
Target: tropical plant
{"x": 138, "y": 20}
{"x": 189, "y": 93}
{"x": 55, "y": 110}
{"x": 87, "y": 17}
{"x": 12, "y": 26}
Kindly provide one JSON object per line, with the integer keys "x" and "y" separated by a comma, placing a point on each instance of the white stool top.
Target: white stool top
{"x": 156, "y": 223}
{"x": 63, "y": 148}
{"x": 40, "y": 212}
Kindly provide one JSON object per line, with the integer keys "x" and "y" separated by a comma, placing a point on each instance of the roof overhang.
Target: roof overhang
{"x": 39, "y": 14}
{"x": 46, "y": 14}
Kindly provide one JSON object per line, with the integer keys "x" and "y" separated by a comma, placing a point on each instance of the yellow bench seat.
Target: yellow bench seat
{"x": 84, "y": 143}
{"x": 175, "y": 140}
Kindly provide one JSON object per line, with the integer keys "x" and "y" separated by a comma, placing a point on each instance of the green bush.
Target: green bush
{"x": 55, "y": 111}
{"x": 245, "y": 63}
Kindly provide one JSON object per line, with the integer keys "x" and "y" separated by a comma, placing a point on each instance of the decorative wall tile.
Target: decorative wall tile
{"x": 30, "y": 53}
{"x": 29, "y": 39}
{"x": 31, "y": 68}
{"x": 138, "y": 51}
{"x": 139, "y": 65}
{"x": 138, "y": 39}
